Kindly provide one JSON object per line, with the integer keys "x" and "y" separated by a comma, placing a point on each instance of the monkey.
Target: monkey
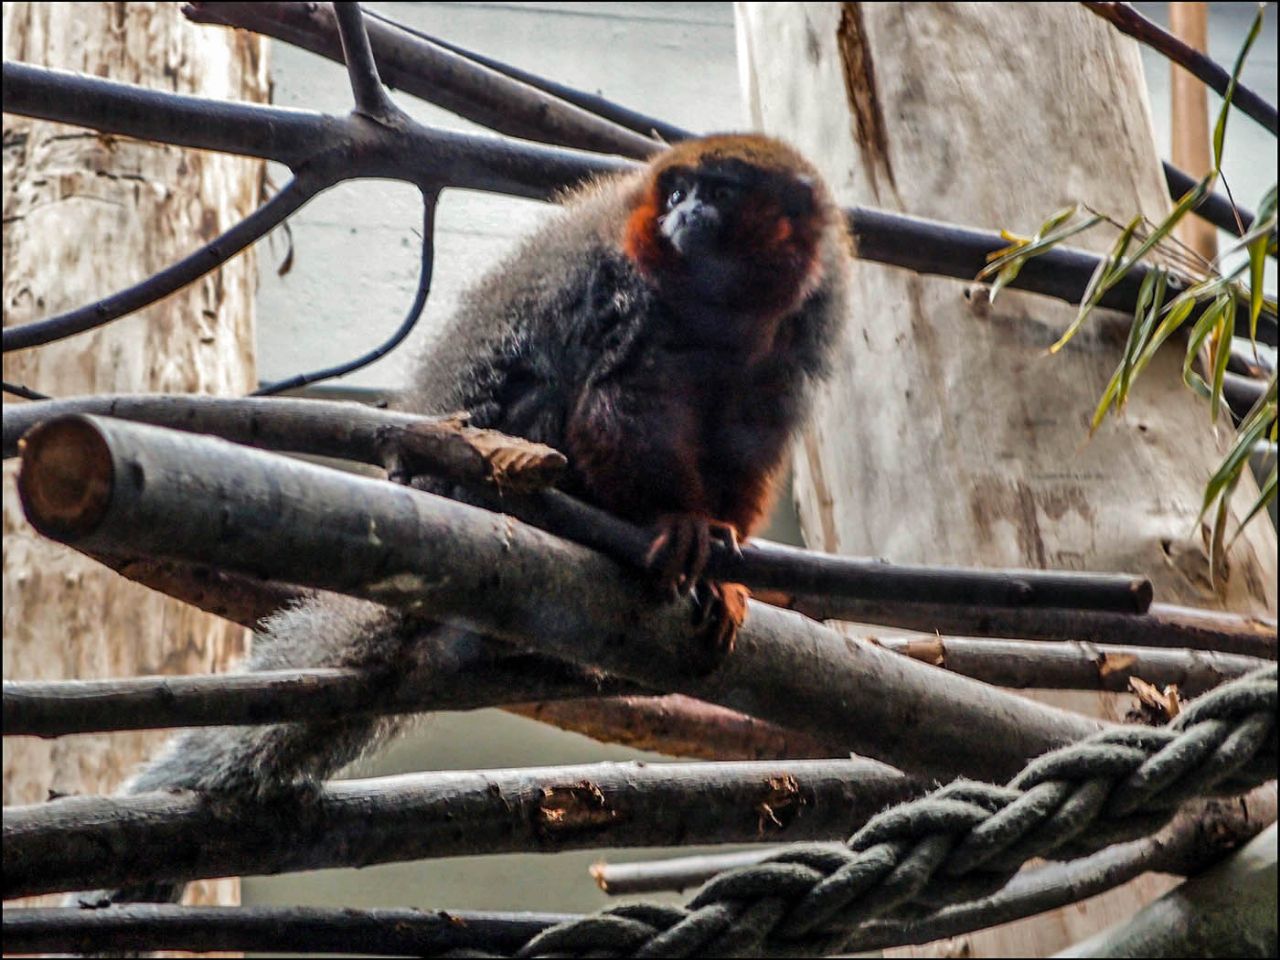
{"x": 666, "y": 331}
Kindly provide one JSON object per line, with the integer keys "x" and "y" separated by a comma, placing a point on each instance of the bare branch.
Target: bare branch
{"x": 296, "y": 193}
{"x": 115, "y": 487}
{"x": 58, "y": 708}
{"x": 78, "y": 843}
{"x": 288, "y": 930}
{"x": 371, "y": 97}
{"x": 1074, "y": 666}
{"x": 1163, "y": 625}
{"x": 1129, "y": 21}
{"x": 437, "y": 75}
{"x": 678, "y": 725}
{"x": 308, "y": 427}
{"x": 345, "y": 147}
{"x": 410, "y": 321}
{"x": 1198, "y": 837}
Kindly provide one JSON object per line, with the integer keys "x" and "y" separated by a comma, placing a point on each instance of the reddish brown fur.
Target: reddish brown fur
{"x": 703, "y": 447}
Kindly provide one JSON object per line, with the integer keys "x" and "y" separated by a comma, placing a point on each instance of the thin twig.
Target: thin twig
{"x": 410, "y": 321}
{"x": 296, "y": 193}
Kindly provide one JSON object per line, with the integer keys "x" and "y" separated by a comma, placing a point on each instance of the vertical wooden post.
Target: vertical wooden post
{"x": 86, "y": 215}
{"x": 1189, "y": 120}
{"x": 948, "y": 434}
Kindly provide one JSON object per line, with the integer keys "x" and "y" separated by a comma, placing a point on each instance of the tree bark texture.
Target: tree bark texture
{"x": 995, "y": 117}
{"x": 87, "y": 214}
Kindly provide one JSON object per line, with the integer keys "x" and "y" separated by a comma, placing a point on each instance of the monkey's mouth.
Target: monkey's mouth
{"x": 691, "y": 228}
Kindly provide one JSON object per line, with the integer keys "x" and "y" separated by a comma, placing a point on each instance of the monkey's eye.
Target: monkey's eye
{"x": 724, "y": 192}
{"x": 675, "y": 197}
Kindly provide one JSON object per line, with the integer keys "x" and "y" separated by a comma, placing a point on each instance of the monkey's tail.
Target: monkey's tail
{"x": 256, "y": 761}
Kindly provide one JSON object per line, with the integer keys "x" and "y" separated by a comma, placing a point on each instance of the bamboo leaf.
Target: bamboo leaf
{"x": 1222, "y": 353}
{"x": 1097, "y": 282}
{"x": 1265, "y": 496}
{"x": 1220, "y": 128}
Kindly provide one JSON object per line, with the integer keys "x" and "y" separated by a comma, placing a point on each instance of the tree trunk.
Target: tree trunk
{"x": 86, "y": 215}
{"x": 947, "y": 434}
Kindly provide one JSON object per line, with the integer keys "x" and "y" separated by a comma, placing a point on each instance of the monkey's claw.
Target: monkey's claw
{"x": 682, "y": 545}
{"x": 722, "y": 611}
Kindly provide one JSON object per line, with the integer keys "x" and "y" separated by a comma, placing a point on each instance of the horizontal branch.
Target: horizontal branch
{"x": 1215, "y": 208}
{"x": 78, "y": 843}
{"x": 1198, "y": 837}
{"x": 1129, "y": 21}
{"x": 347, "y": 147}
{"x": 1075, "y": 665}
{"x": 949, "y": 250}
{"x": 57, "y": 708}
{"x": 109, "y": 486}
{"x": 288, "y": 930}
{"x": 444, "y": 448}
{"x": 437, "y": 75}
{"x": 1163, "y": 625}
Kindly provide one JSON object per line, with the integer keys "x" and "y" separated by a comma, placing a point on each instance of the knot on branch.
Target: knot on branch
{"x": 960, "y": 842}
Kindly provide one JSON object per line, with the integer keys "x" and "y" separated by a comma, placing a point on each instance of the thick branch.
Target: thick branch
{"x": 86, "y": 842}
{"x": 437, "y": 75}
{"x": 1129, "y": 21}
{"x": 1199, "y": 836}
{"x": 348, "y": 147}
{"x": 761, "y": 565}
{"x": 110, "y": 486}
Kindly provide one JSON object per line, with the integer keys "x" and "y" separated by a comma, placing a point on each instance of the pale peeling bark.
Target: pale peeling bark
{"x": 85, "y": 216}
{"x": 948, "y": 435}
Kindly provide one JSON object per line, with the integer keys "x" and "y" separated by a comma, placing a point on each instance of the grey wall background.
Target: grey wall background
{"x": 355, "y": 268}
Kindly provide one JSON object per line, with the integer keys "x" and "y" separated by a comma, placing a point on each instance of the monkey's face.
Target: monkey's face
{"x": 726, "y": 232}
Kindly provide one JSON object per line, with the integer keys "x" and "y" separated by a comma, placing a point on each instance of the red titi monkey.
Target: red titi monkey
{"x": 665, "y": 332}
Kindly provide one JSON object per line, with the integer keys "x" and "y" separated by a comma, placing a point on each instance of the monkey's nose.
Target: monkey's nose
{"x": 691, "y": 226}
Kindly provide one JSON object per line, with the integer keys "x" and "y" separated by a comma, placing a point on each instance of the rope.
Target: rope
{"x": 956, "y": 844}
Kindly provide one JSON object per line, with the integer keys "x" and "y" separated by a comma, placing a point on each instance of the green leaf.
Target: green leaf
{"x": 1220, "y": 128}
{"x": 1222, "y": 353}
{"x": 1265, "y": 496}
{"x": 1204, "y": 326}
{"x": 1097, "y": 283}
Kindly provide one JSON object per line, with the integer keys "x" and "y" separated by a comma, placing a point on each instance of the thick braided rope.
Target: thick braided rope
{"x": 961, "y": 842}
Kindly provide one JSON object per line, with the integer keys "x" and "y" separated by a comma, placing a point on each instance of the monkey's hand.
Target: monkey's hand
{"x": 679, "y": 554}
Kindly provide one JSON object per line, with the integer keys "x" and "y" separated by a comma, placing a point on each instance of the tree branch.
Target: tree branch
{"x": 1163, "y": 625}
{"x": 1130, "y": 22}
{"x": 110, "y": 486}
{"x": 310, "y": 429}
{"x": 77, "y": 843}
{"x": 434, "y": 73}
{"x": 296, "y": 194}
{"x": 371, "y": 97}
